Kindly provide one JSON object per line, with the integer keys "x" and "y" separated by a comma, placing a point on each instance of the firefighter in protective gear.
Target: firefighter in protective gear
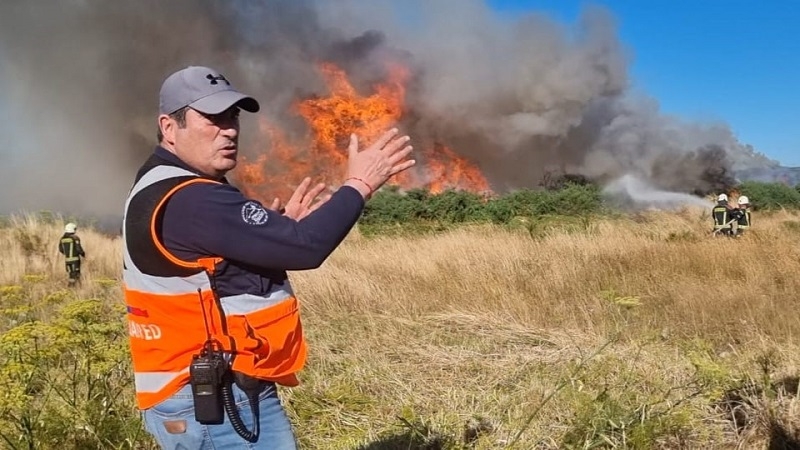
{"x": 70, "y": 247}
{"x": 205, "y": 266}
{"x": 722, "y": 216}
{"x": 742, "y": 214}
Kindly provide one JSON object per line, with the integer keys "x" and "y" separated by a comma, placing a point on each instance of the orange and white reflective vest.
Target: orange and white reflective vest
{"x": 167, "y": 300}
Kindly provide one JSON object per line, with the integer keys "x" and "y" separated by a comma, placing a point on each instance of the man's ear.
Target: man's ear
{"x": 167, "y": 125}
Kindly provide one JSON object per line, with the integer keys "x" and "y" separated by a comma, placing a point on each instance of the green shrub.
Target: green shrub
{"x": 66, "y": 382}
{"x": 392, "y": 207}
{"x": 771, "y": 195}
{"x": 455, "y": 207}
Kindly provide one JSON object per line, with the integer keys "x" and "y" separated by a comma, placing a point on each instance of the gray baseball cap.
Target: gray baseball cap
{"x": 203, "y": 89}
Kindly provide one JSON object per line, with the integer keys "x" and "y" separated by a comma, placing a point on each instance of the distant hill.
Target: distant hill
{"x": 775, "y": 174}
{"x": 748, "y": 164}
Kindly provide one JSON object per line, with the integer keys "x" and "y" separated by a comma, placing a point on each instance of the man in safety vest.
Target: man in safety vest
{"x": 70, "y": 247}
{"x": 214, "y": 324}
{"x": 721, "y": 214}
{"x": 742, "y": 215}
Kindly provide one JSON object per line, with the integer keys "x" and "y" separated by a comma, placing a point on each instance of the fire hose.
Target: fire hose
{"x": 725, "y": 226}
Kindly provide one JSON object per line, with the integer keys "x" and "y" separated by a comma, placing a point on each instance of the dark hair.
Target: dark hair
{"x": 179, "y": 116}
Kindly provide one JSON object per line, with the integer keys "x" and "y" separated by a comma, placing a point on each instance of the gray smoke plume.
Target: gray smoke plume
{"x": 523, "y": 98}
{"x": 631, "y": 192}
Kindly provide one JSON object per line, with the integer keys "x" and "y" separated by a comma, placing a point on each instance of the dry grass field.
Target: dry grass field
{"x": 639, "y": 331}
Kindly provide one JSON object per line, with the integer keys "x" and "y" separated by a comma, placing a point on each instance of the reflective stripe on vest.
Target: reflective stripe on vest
{"x": 155, "y": 381}
{"x": 166, "y": 314}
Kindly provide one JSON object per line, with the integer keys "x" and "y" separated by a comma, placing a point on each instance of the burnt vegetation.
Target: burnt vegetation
{"x": 553, "y": 180}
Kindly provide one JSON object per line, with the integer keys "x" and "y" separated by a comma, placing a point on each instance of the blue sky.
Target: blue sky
{"x": 736, "y": 61}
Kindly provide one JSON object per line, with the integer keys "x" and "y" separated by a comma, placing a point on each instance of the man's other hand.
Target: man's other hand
{"x": 303, "y": 202}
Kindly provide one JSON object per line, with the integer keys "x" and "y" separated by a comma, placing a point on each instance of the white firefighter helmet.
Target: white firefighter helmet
{"x": 70, "y": 228}
{"x": 722, "y": 198}
{"x": 743, "y": 200}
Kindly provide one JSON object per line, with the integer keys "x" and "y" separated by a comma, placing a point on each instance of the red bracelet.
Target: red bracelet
{"x": 365, "y": 184}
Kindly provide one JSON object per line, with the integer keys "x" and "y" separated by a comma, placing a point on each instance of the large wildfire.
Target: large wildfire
{"x": 489, "y": 111}
{"x": 330, "y": 119}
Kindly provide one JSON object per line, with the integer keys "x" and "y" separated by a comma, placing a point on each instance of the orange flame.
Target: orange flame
{"x": 331, "y": 120}
{"x": 334, "y": 118}
{"x": 274, "y": 173}
{"x": 447, "y": 170}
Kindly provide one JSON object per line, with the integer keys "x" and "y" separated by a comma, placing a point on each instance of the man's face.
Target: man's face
{"x": 208, "y": 143}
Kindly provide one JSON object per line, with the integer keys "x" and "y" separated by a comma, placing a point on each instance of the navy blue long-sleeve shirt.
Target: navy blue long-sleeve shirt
{"x": 258, "y": 244}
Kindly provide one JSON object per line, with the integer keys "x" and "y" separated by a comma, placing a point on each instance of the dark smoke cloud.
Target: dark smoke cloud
{"x": 80, "y": 82}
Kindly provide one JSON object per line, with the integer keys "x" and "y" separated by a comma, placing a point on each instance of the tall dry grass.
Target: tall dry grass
{"x": 686, "y": 281}
{"x": 634, "y": 332}
{"x": 30, "y": 246}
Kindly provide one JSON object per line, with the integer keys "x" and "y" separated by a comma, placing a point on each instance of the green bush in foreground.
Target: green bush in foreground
{"x": 65, "y": 378}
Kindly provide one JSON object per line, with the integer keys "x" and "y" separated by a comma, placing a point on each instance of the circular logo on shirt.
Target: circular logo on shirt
{"x": 254, "y": 214}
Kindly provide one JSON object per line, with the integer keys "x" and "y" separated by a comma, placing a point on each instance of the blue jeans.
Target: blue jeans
{"x": 173, "y": 425}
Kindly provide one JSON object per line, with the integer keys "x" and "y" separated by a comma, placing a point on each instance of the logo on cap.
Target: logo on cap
{"x": 213, "y": 79}
{"x": 203, "y": 89}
